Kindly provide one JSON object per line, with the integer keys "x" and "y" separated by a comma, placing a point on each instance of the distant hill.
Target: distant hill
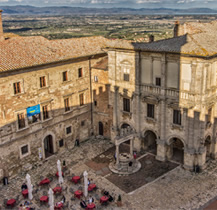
{"x": 30, "y": 10}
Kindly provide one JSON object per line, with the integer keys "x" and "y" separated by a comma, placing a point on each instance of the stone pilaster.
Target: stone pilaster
{"x": 214, "y": 140}
{"x": 137, "y": 143}
{"x": 116, "y": 110}
{"x": 189, "y": 159}
{"x": 161, "y": 150}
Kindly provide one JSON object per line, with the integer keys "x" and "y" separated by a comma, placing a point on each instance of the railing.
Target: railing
{"x": 151, "y": 89}
{"x": 187, "y": 96}
{"x": 172, "y": 93}
{"x": 184, "y": 95}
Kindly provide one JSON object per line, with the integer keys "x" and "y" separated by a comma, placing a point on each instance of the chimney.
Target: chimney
{"x": 176, "y": 29}
{"x": 1, "y": 28}
{"x": 151, "y": 38}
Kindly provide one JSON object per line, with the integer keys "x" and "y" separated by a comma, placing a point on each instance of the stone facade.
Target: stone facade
{"x": 165, "y": 91}
{"x": 102, "y": 112}
{"x": 171, "y": 99}
{"x": 62, "y": 125}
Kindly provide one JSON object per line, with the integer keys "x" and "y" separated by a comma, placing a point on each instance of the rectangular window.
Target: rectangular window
{"x": 150, "y": 110}
{"x": 45, "y": 112}
{"x": 126, "y": 77}
{"x": 158, "y": 81}
{"x": 95, "y": 79}
{"x": 80, "y": 72}
{"x": 95, "y": 103}
{"x": 61, "y": 143}
{"x": 42, "y": 82}
{"x": 65, "y": 76}
{"x": 24, "y": 150}
{"x": 177, "y": 117}
{"x": 17, "y": 88}
{"x": 83, "y": 123}
{"x": 81, "y": 98}
{"x": 66, "y": 103}
{"x": 68, "y": 130}
{"x": 126, "y": 104}
{"x": 21, "y": 120}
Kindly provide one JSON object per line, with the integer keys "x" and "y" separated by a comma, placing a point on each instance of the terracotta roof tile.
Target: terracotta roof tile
{"x": 200, "y": 41}
{"x": 20, "y": 52}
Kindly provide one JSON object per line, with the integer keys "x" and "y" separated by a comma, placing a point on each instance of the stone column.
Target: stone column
{"x": 202, "y": 157}
{"x": 117, "y": 155}
{"x": 161, "y": 150}
{"x": 163, "y": 120}
{"x": 152, "y": 72}
{"x": 189, "y": 159}
{"x": 169, "y": 152}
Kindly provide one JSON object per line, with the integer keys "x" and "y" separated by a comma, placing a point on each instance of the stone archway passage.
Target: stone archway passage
{"x": 149, "y": 142}
{"x": 48, "y": 146}
{"x": 177, "y": 150}
{"x": 101, "y": 128}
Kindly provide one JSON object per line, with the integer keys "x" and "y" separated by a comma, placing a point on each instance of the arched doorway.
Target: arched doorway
{"x": 177, "y": 150}
{"x": 149, "y": 142}
{"x": 101, "y": 128}
{"x": 48, "y": 146}
{"x": 125, "y": 147}
{"x": 207, "y": 145}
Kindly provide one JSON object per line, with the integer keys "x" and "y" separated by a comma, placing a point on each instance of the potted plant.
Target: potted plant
{"x": 119, "y": 201}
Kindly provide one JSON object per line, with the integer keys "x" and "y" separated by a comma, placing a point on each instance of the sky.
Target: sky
{"x": 178, "y": 4}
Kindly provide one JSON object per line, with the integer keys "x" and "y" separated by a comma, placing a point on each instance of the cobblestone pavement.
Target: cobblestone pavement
{"x": 177, "y": 189}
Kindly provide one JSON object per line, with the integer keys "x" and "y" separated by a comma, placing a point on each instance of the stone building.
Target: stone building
{"x": 53, "y": 92}
{"x": 46, "y": 98}
{"x": 166, "y": 91}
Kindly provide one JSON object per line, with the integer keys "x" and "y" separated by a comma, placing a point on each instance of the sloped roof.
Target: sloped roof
{"x": 20, "y": 52}
{"x": 200, "y": 41}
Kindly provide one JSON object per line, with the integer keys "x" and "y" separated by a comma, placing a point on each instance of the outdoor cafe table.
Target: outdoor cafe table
{"x": 104, "y": 199}
{"x": 44, "y": 181}
{"x": 91, "y": 206}
{"x": 75, "y": 179}
{"x": 59, "y": 205}
{"x": 78, "y": 194}
{"x": 44, "y": 198}
{"x": 11, "y": 202}
{"x": 57, "y": 174}
{"x": 91, "y": 187}
{"x": 25, "y": 193}
{"x": 57, "y": 190}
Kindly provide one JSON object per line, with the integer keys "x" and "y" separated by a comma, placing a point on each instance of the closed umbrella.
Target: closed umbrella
{"x": 85, "y": 183}
{"x": 59, "y": 172}
{"x": 29, "y": 185}
{"x": 51, "y": 199}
